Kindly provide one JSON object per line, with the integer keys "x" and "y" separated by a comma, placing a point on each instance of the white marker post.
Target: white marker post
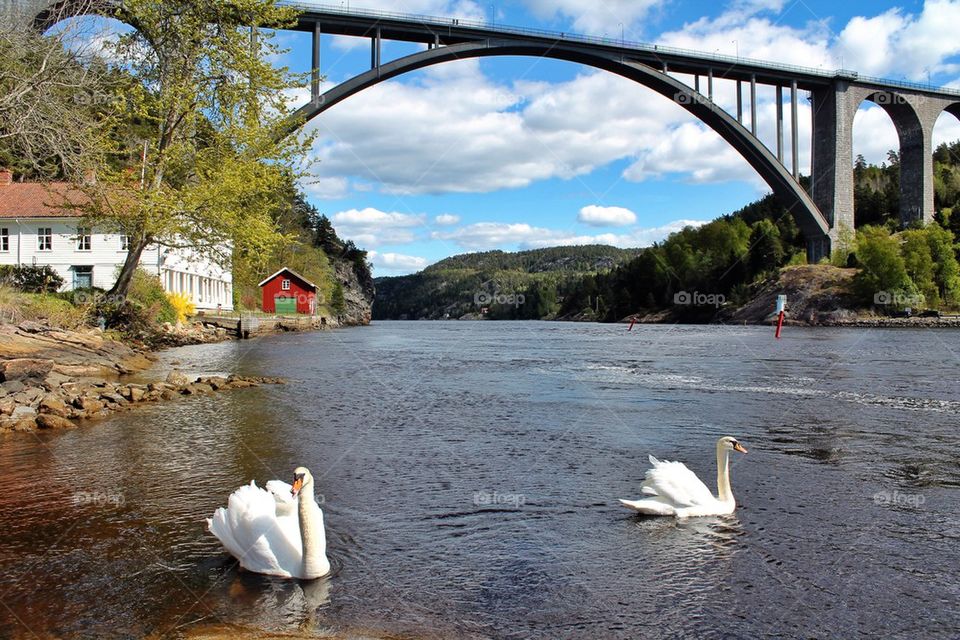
{"x": 781, "y": 308}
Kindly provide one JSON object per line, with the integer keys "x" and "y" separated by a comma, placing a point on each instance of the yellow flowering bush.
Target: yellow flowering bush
{"x": 182, "y": 305}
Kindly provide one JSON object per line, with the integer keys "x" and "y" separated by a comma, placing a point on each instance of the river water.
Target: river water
{"x": 469, "y": 472}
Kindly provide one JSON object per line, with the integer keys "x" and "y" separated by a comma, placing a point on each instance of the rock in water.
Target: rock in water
{"x": 178, "y": 379}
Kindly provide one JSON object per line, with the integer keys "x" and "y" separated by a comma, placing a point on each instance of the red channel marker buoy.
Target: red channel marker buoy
{"x": 781, "y": 308}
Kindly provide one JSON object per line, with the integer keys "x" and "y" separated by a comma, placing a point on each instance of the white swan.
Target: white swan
{"x": 271, "y": 533}
{"x": 674, "y": 490}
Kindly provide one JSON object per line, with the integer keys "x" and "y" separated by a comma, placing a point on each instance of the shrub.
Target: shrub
{"x": 127, "y": 316}
{"x": 31, "y": 278}
{"x": 147, "y": 291}
{"x": 181, "y": 305}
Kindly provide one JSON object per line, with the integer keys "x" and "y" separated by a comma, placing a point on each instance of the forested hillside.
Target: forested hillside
{"x": 522, "y": 285}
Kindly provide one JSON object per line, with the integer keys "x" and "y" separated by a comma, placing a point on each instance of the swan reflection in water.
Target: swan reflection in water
{"x": 290, "y": 602}
{"x": 681, "y": 539}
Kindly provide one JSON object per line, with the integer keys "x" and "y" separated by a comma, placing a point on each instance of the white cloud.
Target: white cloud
{"x": 894, "y": 43}
{"x": 733, "y": 33}
{"x": 598, "y": 18}
{"x": 598, "y": 216}
{"x": 371, "y": 227}
{"x": 491, "y": 235}
{"x": 947, "y": 129}
{"x": 487, "y": 136}
{"x": 326, "y": 188}
{"x": 446, "y": 219}
{"x": 873, "y": 134}
{"x": 396, "y": 263}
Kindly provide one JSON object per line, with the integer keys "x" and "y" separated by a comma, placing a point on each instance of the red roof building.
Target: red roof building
{"x": 287, "y": 292}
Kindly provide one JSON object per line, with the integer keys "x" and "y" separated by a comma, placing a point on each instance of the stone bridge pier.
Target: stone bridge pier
{"x": 914, "y": 114}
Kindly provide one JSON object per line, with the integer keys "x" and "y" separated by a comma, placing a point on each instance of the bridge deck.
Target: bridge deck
{"x": 446, "y": 31}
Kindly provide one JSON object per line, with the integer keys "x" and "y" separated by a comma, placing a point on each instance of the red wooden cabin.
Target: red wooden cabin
{"x": 287, "y": 292}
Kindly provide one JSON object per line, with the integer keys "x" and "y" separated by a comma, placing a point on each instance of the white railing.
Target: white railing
{"x": 435, "y": 21}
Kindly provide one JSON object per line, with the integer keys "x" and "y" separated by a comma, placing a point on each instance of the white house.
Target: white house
{"x": 36, "y": 230}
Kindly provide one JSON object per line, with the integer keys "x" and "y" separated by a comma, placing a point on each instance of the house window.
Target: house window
{"x": 285, "y": 285}
{"x": 83, "y": 239}
{"x": 124, "y": 242}
{"x": 4, "y": 239}
{"x": 44, "y": 239}
{"x": 82, "y": 277}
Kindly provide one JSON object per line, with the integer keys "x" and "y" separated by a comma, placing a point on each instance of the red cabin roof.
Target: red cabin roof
{"x": 292, "y": 274}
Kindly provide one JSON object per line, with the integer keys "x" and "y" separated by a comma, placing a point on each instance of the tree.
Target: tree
{"x": 766, "y": 252}
{"x": 918, "y": 260}
{"x": 337, "y": 300}
{"x": 883, "y": 275}
{"x": 217, "y": 163}
{"x": 53, "y": 93}
{"x": 946, "y": 267}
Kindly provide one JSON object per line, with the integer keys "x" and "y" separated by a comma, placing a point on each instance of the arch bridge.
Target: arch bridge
{"x": 835, "y": 96}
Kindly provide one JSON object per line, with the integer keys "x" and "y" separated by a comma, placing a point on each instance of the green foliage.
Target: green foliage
{"x": 766, "y": 251}
{"x": 147, "y": 291}
{"x": 31, "y": 278}
{"x": 710, "y": 260}
{"x": 843, "y": 247}
{"x": 212, "y": 107}
{"x": 943, "y": 252}
{"x": 337, "y": 300}
{"x": 584, "y": 258}
{"x": 918, "y": 261}
{"x": 877, "y": 192}
{"x": 883, "y": 271}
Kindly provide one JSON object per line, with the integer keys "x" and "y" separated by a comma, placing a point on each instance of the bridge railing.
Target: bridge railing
{"x": 435, "y": 21}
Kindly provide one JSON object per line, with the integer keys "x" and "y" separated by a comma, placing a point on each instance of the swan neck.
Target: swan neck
{"x": 312, "y": 535}
{"x": 724, "y": 493}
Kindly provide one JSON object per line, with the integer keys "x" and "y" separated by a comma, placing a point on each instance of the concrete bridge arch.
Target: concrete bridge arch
{"x": 774, "y": 173}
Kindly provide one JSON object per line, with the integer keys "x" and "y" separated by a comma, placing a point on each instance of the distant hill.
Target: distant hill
{"x": 507, "y": 285}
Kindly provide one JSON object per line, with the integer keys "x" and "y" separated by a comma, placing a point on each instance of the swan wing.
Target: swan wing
{"x": 250, "y": 529}
{"x": 650, "y": 506}
{"x": 672, "y": 483}
{"x": 283, "y": 495}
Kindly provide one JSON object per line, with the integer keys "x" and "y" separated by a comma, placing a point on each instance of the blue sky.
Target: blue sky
{"x": 513, "y": 153}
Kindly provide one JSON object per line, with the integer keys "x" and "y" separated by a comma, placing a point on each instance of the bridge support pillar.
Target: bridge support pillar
{"x": 794, "y": 130}
{"x": 916, "y": 175}
{"x": 780, "y": 124}
{"x": 739, "y": 102}
{"x": 375, "y": 50}
{"x": 920, "y": 172}
{"x": 315, "y": 65}
{"x": 831, "y": 174}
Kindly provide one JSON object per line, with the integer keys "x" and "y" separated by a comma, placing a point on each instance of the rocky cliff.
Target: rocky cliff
{"x": 358, "y": 294}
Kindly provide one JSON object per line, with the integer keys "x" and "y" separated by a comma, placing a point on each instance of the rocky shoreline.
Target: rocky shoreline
{"x": 51, "y": 378}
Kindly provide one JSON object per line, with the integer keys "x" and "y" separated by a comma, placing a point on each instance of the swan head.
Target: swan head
{"x": 301, "y": 479}
{"x": 729, "y": 443}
